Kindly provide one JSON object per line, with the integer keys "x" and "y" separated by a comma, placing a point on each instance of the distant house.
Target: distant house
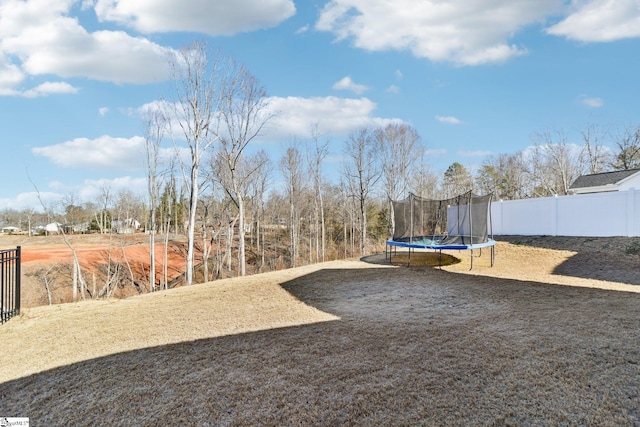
{"x": 125, "y": 226}
{"x": 11, "y": 229}
{"x": 80, "y": 227}
{"x": 606, "y": 181}
{"x": 53, "y": 228}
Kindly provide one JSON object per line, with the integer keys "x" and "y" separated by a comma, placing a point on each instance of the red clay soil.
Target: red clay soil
{"x": 92, "y": 251}
{"x": 90, "y": 255}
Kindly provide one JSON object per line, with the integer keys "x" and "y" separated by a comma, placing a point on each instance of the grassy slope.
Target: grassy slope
{"x": 341, "y": 343}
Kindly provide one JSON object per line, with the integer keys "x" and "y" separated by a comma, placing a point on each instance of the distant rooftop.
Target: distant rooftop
{"x": 605, "y": 178}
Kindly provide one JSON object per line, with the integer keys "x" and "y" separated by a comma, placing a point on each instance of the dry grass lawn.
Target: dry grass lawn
{"x": 549, "y": 336}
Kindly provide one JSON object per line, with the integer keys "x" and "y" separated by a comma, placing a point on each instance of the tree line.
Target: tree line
{"x": 241, "y": 211}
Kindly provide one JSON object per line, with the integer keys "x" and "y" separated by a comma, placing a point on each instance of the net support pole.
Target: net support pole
{"x": 470, "y": 223}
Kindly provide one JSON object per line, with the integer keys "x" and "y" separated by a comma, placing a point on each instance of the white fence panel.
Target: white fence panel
{"x": 635, "y": 213}
{"x": 592, "y": 215}
{"x": 523, "y": 217}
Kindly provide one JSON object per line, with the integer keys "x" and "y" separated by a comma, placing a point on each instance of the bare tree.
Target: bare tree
{"x": 425, "y": 183}
{"x": 78, "y": 279}
{"x": 594, "y": 154}
{"x": 102, "y": 215}
{"x": 198, "y": 97}
{"x": 628, "y": 154}
{"x": 291, "y": 167}
{"x": 361, "y": 172}
{"x": 317, "y": 152}
{"x": 258, "y": 189}
{"x": 243, "y": 115}
{"x": 399, "y": 148}
{"x": 556, "y": 162}
{"x": 154, "y": 132}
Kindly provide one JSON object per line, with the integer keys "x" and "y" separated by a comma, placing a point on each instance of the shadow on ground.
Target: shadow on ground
{"x": 413, "y": 347}
{"x": 417, "y": 259}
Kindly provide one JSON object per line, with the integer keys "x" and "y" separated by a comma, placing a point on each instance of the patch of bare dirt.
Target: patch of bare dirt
{"x": 94, "y": 251}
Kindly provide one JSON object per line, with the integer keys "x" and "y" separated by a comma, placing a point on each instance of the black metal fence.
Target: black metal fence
{"x": 9, "y": 283}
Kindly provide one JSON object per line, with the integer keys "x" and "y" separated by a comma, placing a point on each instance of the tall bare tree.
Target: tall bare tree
{"x": 291, "y": 167}
{"x": 153, "y": 135}
{"x": 198, "y": 93}
{"x": 400, "y": 150}
{"x": 317, "y": 152}
{"x": 257, "y": 191}
{"x": 361, "y": 172}
{"x": 243, "y": 114}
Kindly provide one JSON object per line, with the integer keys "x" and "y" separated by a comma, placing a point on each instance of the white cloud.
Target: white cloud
{"x": 92, "y": 189}
{"x": 436, "y": 152}
{"x": 296, "y": 116}
{"x": 10, "y": 76}
{"x": 333, "y": 115}
{"x": 450, "y": 120}
{"x": 475, "y": 153}
{"x": 600, "y": 21}
{"x": 105, "y": 152}
{"x": 41, "y": 37}
{"x": 88, "y": 190}
{"x": 48, "y": 88}
{"x": 393, "y": 89}
{"x": 458, "y": 31}
{"x": 32, "y": 200}
{"x": 592, "y": 102}
{"x": 219, "y": 17}
{"x": 347, "y": 84}
{"x": 103, "y": 111}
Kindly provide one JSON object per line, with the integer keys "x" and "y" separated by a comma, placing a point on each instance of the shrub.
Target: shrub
{"x": 633, "y": 248}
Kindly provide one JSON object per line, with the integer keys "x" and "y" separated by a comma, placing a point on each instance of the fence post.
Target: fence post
{"x": 554, "y": 216}
{"x": 631, "y": 218}
{"x": 501, "y": 217}
{"x": 3, "y": 308}
{"x": 18, "y": 275}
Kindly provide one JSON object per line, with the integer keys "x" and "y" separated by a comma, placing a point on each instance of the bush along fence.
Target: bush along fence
{"x": 9, "y": 283}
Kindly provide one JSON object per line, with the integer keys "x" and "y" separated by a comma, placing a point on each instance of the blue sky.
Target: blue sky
{"x": 473, "y": 78}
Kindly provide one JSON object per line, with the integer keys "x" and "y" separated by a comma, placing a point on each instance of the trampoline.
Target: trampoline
{"x": 460, "y": 223}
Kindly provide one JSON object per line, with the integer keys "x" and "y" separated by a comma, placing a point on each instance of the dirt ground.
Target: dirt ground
{"x": 547, "y": 336}
{"x": 40, "y": 251}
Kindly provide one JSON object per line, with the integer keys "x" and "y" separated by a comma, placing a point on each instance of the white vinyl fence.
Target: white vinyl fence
{"x": 591, "y": 215}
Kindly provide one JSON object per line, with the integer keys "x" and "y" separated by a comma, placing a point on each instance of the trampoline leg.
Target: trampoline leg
{"x": 471, "y": 260}
{"x": 493, "y": 255}
{"x": 409, "y": 263}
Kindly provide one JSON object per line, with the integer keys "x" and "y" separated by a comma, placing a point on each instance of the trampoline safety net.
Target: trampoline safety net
{"x": 461, "y": 220}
